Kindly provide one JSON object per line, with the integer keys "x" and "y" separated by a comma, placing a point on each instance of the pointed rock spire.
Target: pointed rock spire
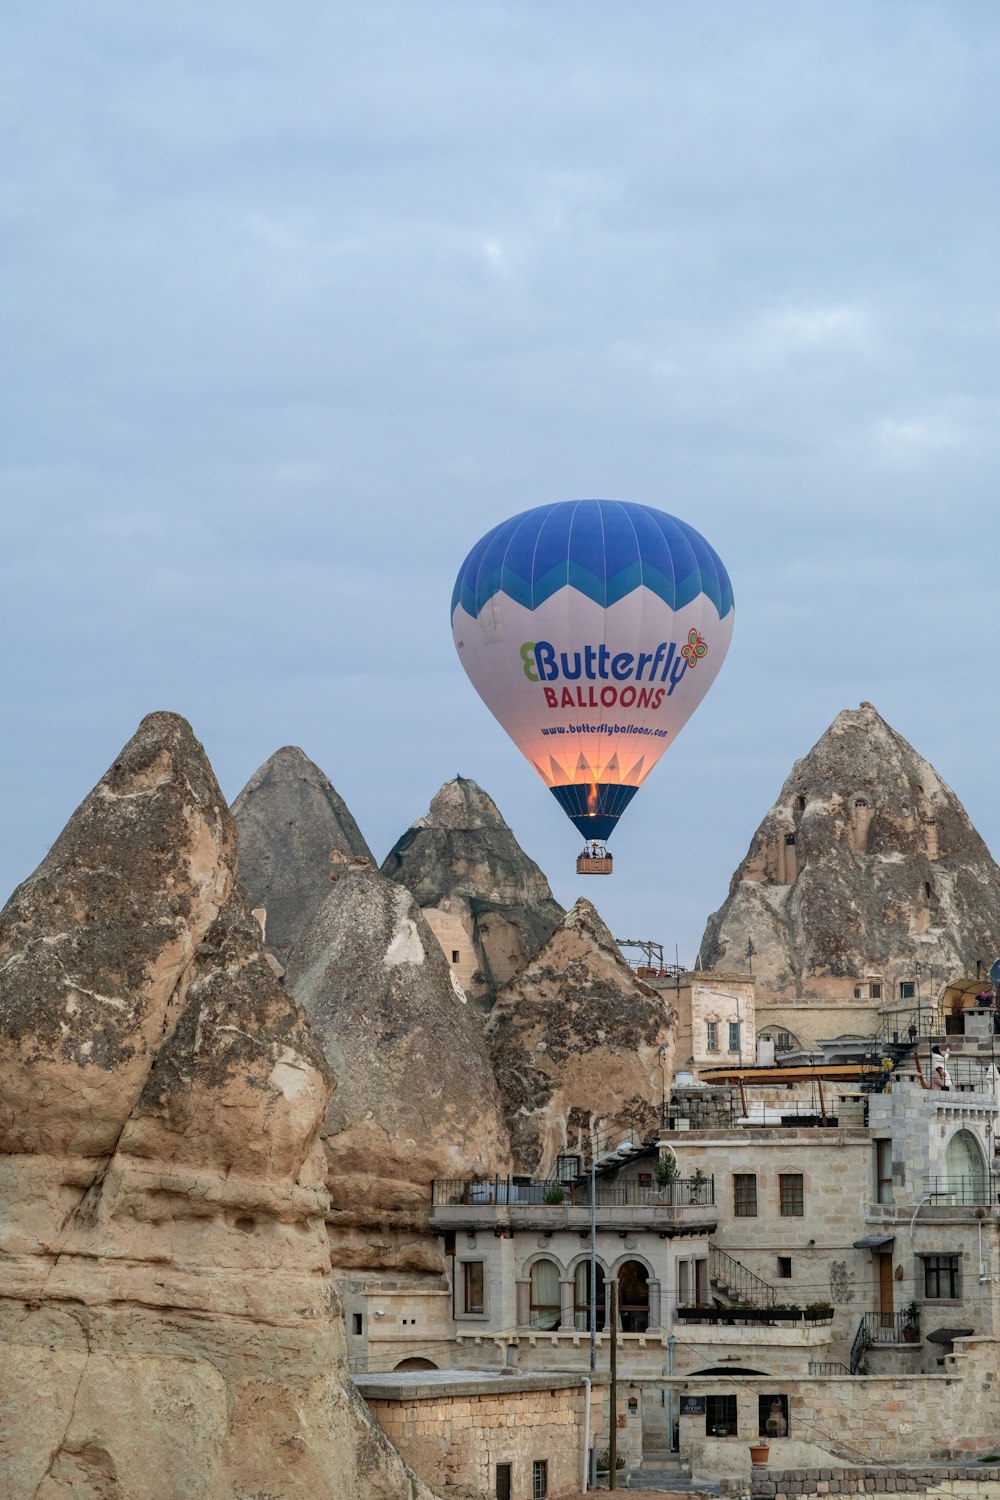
{"x": 864, "y": 877}
{"x": 414, "y": 1095}
{"x": 485, "y": 899}
{"x": 291, "y": 821}
{"x": 160, "y": 1105}
{"x": 575, "y": 1040}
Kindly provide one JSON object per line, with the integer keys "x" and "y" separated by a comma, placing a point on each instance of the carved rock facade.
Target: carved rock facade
{"x": 866, "y": 885}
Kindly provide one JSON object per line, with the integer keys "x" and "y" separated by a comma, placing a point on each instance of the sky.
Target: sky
{"x": 300, "y": 299}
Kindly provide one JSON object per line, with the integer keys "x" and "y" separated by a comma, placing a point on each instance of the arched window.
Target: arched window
{"x": 545, "y": 1306}
{"x": 581, "y": 1309}
{"x": 415, "y": 1364}
{"x": 964, "y": 1171}
{"x": 633, "y": 1297}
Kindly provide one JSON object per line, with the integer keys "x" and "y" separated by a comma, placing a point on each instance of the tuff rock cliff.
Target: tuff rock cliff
{"x": 866, "y": 867}
{"x": 488, "y": 904}
{"x": 167, "y": 1316}
{"x": 414, "y": 1095}
{"x": 290, "y": 822}
{"x": 575, "y": 1040}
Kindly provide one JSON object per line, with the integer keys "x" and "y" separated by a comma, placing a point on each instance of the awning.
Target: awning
{"x": 948, "y": 1335}
{"x": 875, "y": 1242}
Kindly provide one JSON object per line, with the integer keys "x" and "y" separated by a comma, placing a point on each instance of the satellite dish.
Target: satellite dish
{"x": 995, "y": 973}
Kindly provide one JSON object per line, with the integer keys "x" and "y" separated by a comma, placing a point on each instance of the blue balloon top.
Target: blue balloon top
{"x": 604, "y": 548}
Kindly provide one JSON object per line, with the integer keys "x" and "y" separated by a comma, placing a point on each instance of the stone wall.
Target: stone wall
{"x": 962, "y": 1483}
{"x": 861, "y": 1420}
{"x": 453, "y": 1437}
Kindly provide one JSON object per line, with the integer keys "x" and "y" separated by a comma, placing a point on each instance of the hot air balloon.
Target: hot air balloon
{"x": 592, "y": 629}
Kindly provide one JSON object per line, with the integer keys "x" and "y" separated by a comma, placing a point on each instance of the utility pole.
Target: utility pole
{"x": 613, "y": 1392}
{"x": 593, "y": 1249}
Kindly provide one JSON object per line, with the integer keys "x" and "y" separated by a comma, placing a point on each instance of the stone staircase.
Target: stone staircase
{"x": 661, "y": 1470}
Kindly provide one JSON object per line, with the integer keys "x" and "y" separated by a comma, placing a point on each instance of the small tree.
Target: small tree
{"x": 666, "y": 1170}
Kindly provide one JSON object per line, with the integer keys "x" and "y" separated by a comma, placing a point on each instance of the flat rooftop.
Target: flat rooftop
{"x": 425, "y": 1385}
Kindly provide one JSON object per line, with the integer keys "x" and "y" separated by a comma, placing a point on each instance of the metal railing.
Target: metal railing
{"x": 828, "y": 1367}
{"x": 684, "y": 1192}
{"x": 733, "y": 1277}
{"x": 882, "y": 1328}
{"x": 898, "y": 1033}
{"x": 962, "y": 1191}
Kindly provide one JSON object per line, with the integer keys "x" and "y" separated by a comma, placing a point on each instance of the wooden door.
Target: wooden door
{"x": 503, "y": 1481}
{"x": 885, "y": 1289}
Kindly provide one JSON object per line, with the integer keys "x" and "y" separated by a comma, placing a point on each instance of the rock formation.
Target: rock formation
{"x": 414, "y": 1097}
{"x": 575, "y": 1041}
{"x": 290, "y": 821}
{"x": 167, "y": 1316}
{"x": 488, "y": 904}
{"x": 865, "y": 883}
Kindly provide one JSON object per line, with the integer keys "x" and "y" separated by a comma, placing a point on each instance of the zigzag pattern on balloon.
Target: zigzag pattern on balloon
{"x": 604, "y": 549}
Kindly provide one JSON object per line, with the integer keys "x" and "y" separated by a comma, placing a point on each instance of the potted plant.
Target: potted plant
{"x": 759, "y": 1453}
{"x": 697, "y": 1181}
{"x": 818, "y": 1312}
{"x": 666, "y": 1172}
{"x": 911, "y": 1322}
{"x": 554, "y": 1193}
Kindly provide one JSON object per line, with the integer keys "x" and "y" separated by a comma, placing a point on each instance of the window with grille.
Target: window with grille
{"x": 539, "y": 1479}
{"x": 720, "y": 1416}
{"x": 941, "y": 1277}
{"x": 712, "y": 1031}
{"x": 734, "y": 1036}
{"x": 875, "y": 990}
{"x": 745, "y": 1195}
{"x": 790, "y": 1195}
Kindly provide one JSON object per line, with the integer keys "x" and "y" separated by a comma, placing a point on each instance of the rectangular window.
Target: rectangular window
{"x": 941, "y": 1277}
{"x": 745, "y": 1195}
{"x": 539, "y": 1479}
{"x": 772, "y": 1416}
{"x": 720, "y": 1416}
{"x": 473, "y": 1286}
{"x": 454, "y": 955}
{"x": 783, "y": 1042}
{"x": 785, "y": 1267}
{"x": 356, "y": 1323}
{"x": 790, "y": 1195}
{"x": 883, "y": 1171}
{"x": 875, "y": 991}
{"x": 907, "y": 989}
{"x": 567, "y": 1168}
{"x": 734, "y": 1036}
{"x": 712, "y": 1031}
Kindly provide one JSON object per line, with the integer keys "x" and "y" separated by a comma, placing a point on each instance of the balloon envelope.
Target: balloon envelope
{"x": 592, "y": 629}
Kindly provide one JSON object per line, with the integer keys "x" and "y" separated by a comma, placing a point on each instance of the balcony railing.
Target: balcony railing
{"x": 962, "y": 1191}
{"x": 551, "y": 1193}
{"x": 882, "y": 1328}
